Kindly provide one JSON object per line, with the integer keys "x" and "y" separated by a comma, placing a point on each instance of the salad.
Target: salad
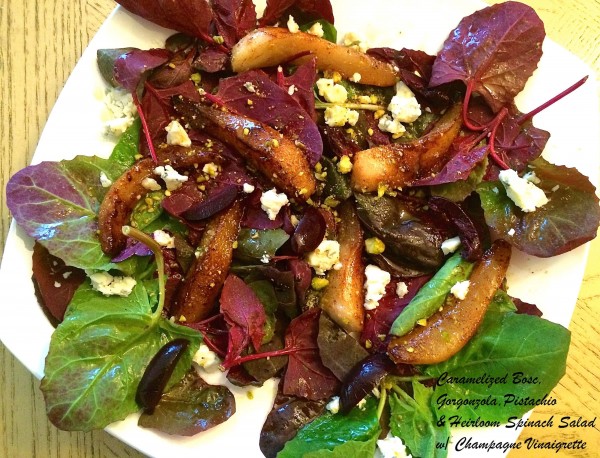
{"x": 278, "y": 215}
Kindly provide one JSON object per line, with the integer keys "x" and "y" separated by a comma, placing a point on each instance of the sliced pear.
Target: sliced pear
{"x": 271, "y": 153}
{"x": 271, "y": 46}
{"x": 398, "y": 164}
{"x": 198, "y": 294}
{"x": 448, "y": 331}
{"x": 344, "y": 297}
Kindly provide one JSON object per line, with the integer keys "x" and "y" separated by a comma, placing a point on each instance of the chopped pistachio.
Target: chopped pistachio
{"x": 374, "y": 245}
{"x": 319, "y": 283}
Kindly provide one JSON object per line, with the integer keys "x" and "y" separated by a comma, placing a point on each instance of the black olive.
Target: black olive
{"x": 157, "y": 374}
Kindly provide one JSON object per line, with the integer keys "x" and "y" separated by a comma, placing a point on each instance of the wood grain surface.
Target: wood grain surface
{"x": 40, "y": 43}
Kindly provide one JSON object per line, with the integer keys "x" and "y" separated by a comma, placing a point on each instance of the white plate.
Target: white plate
{"x": 75, "y": 127}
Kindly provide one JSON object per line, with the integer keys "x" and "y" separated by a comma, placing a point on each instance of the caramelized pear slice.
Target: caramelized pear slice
{"x": 127, "y": 190}
{"x": 398, "y": 164}
{"x": 449, "y": 330}
{"x": 274, "y": 155}
{"x": 203, "y": 282}
{"x": 343, "y": 299}
{"x": 271, "y": 46}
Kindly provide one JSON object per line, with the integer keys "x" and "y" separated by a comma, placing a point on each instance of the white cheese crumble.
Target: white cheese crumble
{"x": 355, "y": 78}
{"x": 353, "y": 40}
{"x": 325, "y": 257}
{"x": 173, "y": 180}
{"x": 460, "y": 289}
{"x": 393, "y": 126}
{"x": 248, "y": 188}
{"x": 450, "y": 245}
{"x": 265, "y": 259}
{"x": 250, "y": 87}
{"x": 362, "y": 404}
{"x": 112, "y": 286}
{"x": 119, "y": 111}
{"x": 338, "y": 116}
{"x": 57, "y": 284}
{"x": 164, "y": 239}
{"x": 511, "y": 232}
{"x": 526, "y": 195}
{"x": 292, "y": 89}
{"x": 333, "y": 405}
{"x": 404, "y": 105}
{"x": 272, "y": 201}
{"x": 532, "y": 177}
{"x": 401, "y": 289}
{"x": 332, "y": 92}
{"x": 206, "y": 359}
{"x": 292, "y": 26}
{"x": 151, "y": 184}
{"x": 391, "y": 447}
{"x": 317, "y": 30}
{"x": 375, "y": 283}
{"x": 176, "y": 134}
{"x": 105, "y": 181}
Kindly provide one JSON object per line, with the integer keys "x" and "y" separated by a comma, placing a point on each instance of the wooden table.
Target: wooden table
{"x": 40, "y": 42}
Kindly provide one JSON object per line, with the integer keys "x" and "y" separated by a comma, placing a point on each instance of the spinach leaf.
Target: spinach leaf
{"x": 124, "y": 152}
{"x": 568, "y": 220}
{"x": 414, "y": 421}
{"x": 505, "y": 343}
{"x": 256, "y": 243}
{"x": 337, "y": 185}
{"x": 432, "y": 295}
{"x": 98, "y": 355}
{"x": 190, "y": 407}
{"x": 355, "y": 449}
{"x": 330, "y": 431}
{"x": 329, "y": 30}
{"x": 56, "y": 203}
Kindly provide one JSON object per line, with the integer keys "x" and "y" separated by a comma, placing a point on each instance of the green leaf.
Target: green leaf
{"x": 506, "y": 343}
{"x": 337, "y": 185}
{"x": 414, "y": 422}
{"x": 98, "y": 355}
{"x": 329, "y": 30}
{"x": 432, "y": 295}
{"x": 354, "y": 449}
{"x": 57, "y": 203}
{"x": 330, "y": 431}
{"x": 568, "y": 220}
{"x": 256, "y": 243}
{"x": 148, "y": 210}
{"x": 126, "y": 149}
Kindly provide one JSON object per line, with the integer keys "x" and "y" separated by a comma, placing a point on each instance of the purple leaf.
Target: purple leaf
{"x": 56, "y": 203}
{"x": 569, "y": 219}
{"x": 193, "y": 17}
{"x": 494, "y": 50}
{"x": 131, "y": 67}
{"x": 467, "y": 229}
{"x": 234, "y": 19}
{"x": 211, "y": 60}
{"x": 244, "y": 314}
{"x": 217, "y": 198}
{"x": 379, "y": 321}
{"x": 306, "y": 376}
{"x": 303, "y": 80}
{"x": 464, "y": 159}
{"x": 526, "y": 308}
{"x": 278, "y": 10}
{"x": 302, "y": 277}
{"x": 182, "y": 199}
{"x": 133, "y": 249}
{"x": 274, "y": 106}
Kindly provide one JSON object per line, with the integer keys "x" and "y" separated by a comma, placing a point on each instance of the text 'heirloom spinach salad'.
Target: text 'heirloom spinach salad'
{"x": 280, "y": 205}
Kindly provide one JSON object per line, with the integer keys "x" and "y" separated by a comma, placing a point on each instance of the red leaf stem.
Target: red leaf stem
{"x": 496, "y": 122}
{"x": 138, "y": 105}
{"x": 267, "y": 354}
{"x": 553, "y": 100}
{"x": 465, "y": 109}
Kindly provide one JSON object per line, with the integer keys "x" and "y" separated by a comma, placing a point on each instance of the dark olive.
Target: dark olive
{"x": 309, "y": 233}
{"x": 157, "y": 374}
{"x": 361, "y": 380}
